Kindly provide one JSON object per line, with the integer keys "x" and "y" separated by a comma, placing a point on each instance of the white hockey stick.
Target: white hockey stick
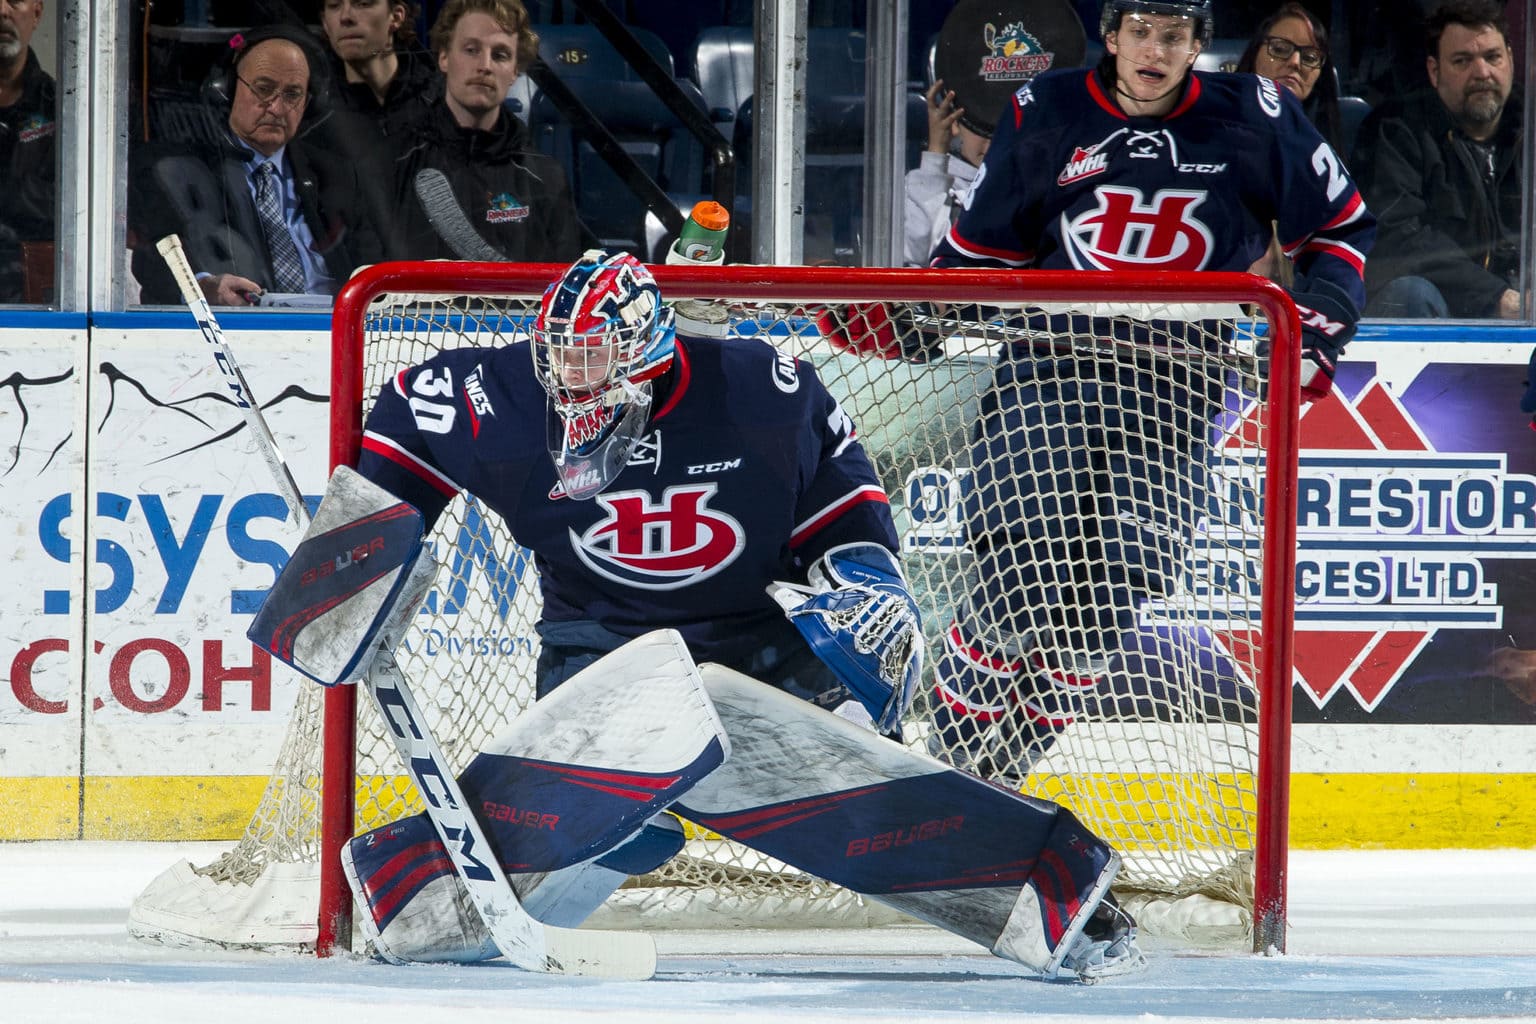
{"x": 524, "y": 941}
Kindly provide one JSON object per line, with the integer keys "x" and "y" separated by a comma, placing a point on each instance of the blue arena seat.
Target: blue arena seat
{"x": 722, "y": 65}
{"x": 643, "y": 125}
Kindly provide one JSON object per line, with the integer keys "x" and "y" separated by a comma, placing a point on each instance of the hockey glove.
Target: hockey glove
{"x": 1327, "y": 324}
{"x": 860, "y": 620}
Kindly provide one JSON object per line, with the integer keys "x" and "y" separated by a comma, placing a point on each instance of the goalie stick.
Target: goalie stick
{"x": 524, "y": 941}
{"x": 447, "y": 218}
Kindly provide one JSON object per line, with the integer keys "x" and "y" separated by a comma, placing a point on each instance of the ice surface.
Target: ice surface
{"x": 1377, "y": 935}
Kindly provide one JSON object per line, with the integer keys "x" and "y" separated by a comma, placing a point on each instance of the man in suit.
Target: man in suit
{"x": 261, "y": 211}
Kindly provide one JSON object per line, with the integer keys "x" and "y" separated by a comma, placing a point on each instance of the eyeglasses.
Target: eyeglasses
{"x": 1281, "y": 49}
{"x": 267, "y": 93}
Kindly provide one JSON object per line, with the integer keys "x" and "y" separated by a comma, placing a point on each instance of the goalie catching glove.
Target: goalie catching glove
{"x": 860, "y": 620}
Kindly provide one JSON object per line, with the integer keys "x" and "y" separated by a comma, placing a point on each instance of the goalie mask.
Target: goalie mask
{"x": 1197, "y": 11}
{"x": 601, "y": 337}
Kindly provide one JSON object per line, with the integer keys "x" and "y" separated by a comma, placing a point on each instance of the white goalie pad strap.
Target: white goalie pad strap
{"x": 354, "y": 582}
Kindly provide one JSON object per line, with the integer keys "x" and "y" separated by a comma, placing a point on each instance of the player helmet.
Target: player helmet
{"x": 600, "y": 337}
{"x": 1197, "y": 10}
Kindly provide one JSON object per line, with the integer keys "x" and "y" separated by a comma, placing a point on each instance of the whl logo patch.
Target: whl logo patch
{"x": 1085, "y": 163}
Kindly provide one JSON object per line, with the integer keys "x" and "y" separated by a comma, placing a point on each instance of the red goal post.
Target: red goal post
{"x": 800, "y": 292}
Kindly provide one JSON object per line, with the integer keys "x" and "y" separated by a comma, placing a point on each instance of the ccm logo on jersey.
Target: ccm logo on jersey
{"x": 1311, "y": 318}
{"x": 714, "y": 467}
{"x": 331, "y": 566}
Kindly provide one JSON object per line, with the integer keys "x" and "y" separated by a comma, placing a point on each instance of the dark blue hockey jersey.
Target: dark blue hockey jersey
{"x": 1072, "y": 182}
{"x": 748, "y": 471}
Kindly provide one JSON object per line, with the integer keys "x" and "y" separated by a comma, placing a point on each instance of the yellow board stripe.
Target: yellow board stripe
{"x": 1328, "y": 811}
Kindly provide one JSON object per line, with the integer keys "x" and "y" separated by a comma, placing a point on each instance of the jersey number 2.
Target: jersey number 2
{"x": 1326, "y": 163}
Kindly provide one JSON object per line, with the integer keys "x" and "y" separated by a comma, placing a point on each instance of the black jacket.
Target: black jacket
{"x": 203, "y": 197}
{"x": 29, "y": 171}
{"x": 514, "y": 198}
{"x": 408, "y": 101}
{"x": 1435, "y": 216}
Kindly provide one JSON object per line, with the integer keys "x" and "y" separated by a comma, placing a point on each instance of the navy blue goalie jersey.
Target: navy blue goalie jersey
{"x": 1072, "y": 182}
{"x": 748, "y": 471}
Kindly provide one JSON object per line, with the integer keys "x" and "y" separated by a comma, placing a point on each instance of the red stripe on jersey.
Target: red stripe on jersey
{"x": 1190, "y": 96}
{"x": 808, "y": 529}
{"x": 387, "y": 449}
{"x": 967, "y": 248}
{"x": 1352, "y": 210}
{"x": 965, "y": 709}
{"x": 1096, "y": 91}
{"x": 980, "y": 659}
{"x": 1348, "y": 253}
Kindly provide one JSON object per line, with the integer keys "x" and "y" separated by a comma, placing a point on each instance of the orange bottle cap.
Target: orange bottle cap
{"x": 711, "y": 216}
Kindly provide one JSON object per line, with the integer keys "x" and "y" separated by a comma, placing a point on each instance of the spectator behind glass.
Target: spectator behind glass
{"x": 936, "y": 186}
{"x": 28, "y": 140}
{"x": 382, "y": 74}
{"x": 1291, "y": 47}
{"x": 1442, "y": 169}
{"x": 298, "y": 228}
{"x": 503, "y": 192}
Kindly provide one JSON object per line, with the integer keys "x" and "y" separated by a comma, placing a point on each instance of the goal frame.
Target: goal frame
{"x": 845, "y": 285}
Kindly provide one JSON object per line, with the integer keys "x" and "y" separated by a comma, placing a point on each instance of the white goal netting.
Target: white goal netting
{"x": 1162, "y": 758}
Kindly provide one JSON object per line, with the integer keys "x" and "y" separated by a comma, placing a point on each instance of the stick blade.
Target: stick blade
{"x": 626, "y": 956}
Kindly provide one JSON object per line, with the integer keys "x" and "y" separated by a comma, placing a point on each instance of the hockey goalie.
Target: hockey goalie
{"x": 726, "y": 637}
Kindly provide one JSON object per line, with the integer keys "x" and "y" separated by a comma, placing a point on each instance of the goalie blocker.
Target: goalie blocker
{"x": 569, "y": 797}
{"x": 352, "y": 585}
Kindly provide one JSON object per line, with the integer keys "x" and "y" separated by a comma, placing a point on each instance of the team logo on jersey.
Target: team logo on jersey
{"x": 476, "y": 400}
{"x": 505, "y": 209}
{"x": 1016, "y": 55}
{"x": 36, "y": 127}
{"x": 1085, "y": 163}
{"x": 663, "y": 545}
{"x": 1125, "y": 231}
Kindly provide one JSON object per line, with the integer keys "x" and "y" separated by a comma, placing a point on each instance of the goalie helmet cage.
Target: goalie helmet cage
{"x": 1181, "y": 759}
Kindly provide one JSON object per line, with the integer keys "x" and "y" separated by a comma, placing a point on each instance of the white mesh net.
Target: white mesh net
{"x": 1161, "y": 756}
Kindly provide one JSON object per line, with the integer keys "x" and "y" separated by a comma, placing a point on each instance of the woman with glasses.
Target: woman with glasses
{"x": 1291, "y": 47}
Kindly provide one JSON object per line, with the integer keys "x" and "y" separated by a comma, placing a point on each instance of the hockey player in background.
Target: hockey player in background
{"x": 1139, "y": 164}
{"x": 716, "y": 488}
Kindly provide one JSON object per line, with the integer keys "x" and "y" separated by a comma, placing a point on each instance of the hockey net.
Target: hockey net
{"x": 1180, "y": 759}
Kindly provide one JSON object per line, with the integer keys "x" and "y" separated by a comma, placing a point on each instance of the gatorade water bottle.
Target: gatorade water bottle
{"x": 702, "y": 239}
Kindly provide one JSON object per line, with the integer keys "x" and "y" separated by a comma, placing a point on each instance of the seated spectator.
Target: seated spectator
{"x": 504, "y": 195}
{"x": 28, "y": 139}
{"x": 1291, "y": 47}
{"x": 944, "y": 172}
{"x": 384, "y": 80}
{"x": 1442, "y": 171}
{"x": 263, "y": 211}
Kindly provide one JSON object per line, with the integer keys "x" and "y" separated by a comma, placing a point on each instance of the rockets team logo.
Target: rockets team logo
{"x": 664, "y": 545}
{"x": 505, "y": 208}
{"x": 1015, "y": 55}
